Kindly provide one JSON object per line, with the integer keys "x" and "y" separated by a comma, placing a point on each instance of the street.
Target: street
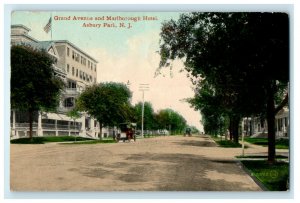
{"x": 170, "y": 163}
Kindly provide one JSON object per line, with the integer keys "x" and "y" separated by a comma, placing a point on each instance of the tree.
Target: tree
{"x": 74, "y": 114}
{"x": 149, "y": 122}
{"x": 106, "y": 102}
{"x": 171, "y": 120}
{"x": 212, "y": 108}
{"x": 239, "y": 54}
{"x": 34, "y": 85}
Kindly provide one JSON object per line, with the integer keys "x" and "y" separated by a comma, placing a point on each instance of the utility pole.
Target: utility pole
{"x": 128, "y": 86}
{"x": 143, "y": 88}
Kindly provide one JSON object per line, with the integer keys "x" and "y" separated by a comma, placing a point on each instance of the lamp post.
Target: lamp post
{"x": 143, "y": 88}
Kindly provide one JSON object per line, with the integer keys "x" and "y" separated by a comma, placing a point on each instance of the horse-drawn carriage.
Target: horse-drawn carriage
{"x": 126, "y": 132}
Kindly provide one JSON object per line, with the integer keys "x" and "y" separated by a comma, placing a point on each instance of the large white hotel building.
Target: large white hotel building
{"x": 78, "y": 70}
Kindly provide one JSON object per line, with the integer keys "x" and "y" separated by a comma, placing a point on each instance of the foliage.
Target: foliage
{"x": 215, "y": 118}
{"x": 170, "y": 120}
{"x": 107, "y": 102}
{"x": 74, "y": 114}
{"x": 238, "y": 55}
{"x": 275, "y": 177}
{"x": 163, "y": 119}
{"x": 34, "y": 85}
{"x": 149, "y": 121}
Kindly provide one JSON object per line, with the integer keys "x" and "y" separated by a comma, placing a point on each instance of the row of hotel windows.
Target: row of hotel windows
{"x": 82, "y": 75}
{"x": 77, "y": 57}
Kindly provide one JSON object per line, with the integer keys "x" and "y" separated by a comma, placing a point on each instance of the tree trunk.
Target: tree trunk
{"x": 230, "y": 129}
{"x": 234, "y": 129}
{"x": 30, "y": 119}
{"x": 271, "y": 125}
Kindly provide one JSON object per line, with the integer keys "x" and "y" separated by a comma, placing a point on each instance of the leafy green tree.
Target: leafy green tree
{"x": 74, "y": 114}
{"x": 109, "y": 103}
{"x": 170, "y": 120}
{"x": 242, "y": 55}
{"x": 34, "y": 85}
{"x": 149, "y": 122}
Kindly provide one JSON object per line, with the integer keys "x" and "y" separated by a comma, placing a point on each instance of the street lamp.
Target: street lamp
{"x": 143, "y": 88}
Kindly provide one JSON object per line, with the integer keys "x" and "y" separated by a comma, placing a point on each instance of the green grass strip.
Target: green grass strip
{"x": 272, "y": 176}
{"x": 279, "y": 144}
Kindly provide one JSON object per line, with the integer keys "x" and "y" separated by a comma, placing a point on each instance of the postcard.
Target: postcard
{"x": 149, "y": 101}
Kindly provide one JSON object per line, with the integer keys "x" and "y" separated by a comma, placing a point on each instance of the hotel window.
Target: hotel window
{"x": 73, "y": 71}
{"x": 82, "y": 60}
{"x": 73, "y": 55}
{"x": 69, "y": 102}
{"x": 80, "y": 75}
{"x": 89, "y": 64}
{"x": 71, "y": 84}
{"x": 68, "y": 68}
{"x": 76, "y": 72}
{"x": 95, "y": 67}
{"x": 77, "y": 57}
{"x": 94, "y": 80}
{"x": 68, "y": 51}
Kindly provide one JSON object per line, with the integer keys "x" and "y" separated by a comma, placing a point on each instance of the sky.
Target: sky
{"x": 128, "y": 53}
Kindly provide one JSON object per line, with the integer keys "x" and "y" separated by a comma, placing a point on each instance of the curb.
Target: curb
{"x": 264, "y": 188}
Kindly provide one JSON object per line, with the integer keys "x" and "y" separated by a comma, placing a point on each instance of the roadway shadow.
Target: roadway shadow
{"x": 196, "y": 143}
{"x": 168, "y": 172}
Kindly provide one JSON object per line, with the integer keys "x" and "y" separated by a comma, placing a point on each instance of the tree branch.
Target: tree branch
{"x": 282, "y": 104}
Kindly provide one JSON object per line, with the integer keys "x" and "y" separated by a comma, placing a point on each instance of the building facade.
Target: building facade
{"x": 78, "y": 70}
{"x": 256, "y": 127}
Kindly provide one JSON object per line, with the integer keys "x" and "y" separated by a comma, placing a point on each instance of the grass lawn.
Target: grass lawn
{"x": 280, "y": 143}
{"x": 273, "y": 177}
{"x": 42, "y": 140}
{"x": 226, "y": 143}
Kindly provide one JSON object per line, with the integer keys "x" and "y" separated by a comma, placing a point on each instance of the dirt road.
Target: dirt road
{"x": 155, "y": 164}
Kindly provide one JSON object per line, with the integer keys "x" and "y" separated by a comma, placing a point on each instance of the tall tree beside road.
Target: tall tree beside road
{"x": 34, "y": 85}
{"x": 244, "y": 56}
{"x": 108, "y": 102}
{"x": 149, "y": 122}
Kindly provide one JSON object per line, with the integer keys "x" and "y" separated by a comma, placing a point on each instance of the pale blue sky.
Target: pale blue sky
{"x": 123, "y": 54}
